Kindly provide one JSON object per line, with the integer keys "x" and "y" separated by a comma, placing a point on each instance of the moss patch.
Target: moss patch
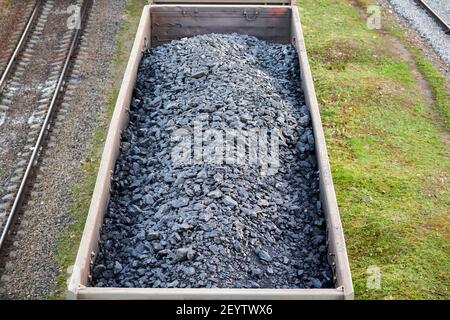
{"x": 4, "y": 8}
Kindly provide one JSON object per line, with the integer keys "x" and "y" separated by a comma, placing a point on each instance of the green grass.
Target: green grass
{"x": 68, "y": 243}
{"x": 388, "y": 159}
{"x": 437, "y": 84}
{"x": 4, "y": 7}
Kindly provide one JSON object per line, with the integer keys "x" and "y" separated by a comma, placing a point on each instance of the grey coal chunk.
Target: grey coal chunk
{"x": 263, "y": 255}
{"x": 216, "y": 194}
{"x": 199, "y": 74}
{"x": 183, "y": 254}
{"x": 237, "y": 245}
{"x": 316, "y": 283}
{"x": 189, "y": 271}
{"x": 230, "y": 202}
{"x": 173, "y": 284}
{"x": 155, "y": 101}
{"x": 152, "y": 235}
{"x": 182, "y": 202}
{"x": 186, "y": 211}
{"x": 117, "y": 267}
{"x": 263, "y": 203}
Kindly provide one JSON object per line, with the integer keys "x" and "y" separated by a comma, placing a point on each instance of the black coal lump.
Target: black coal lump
{"x": 207, "y": 224}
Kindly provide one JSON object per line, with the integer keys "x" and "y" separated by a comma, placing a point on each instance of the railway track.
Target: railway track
{"x": 435, "y": 15}
{"x": 18, "y": 23}
{"x": 28, "y": 106}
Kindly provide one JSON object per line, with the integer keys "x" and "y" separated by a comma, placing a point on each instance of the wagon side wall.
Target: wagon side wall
{"x": 336, "y": 242}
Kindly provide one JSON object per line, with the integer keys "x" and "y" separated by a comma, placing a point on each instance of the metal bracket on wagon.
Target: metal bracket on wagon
{"x": 251, "y": 17}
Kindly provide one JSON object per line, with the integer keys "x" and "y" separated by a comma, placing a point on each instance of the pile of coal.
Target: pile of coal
{"x": 181, "y": 217}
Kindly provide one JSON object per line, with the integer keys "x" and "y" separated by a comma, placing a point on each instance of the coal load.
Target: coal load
{"x": 199, "y": 220}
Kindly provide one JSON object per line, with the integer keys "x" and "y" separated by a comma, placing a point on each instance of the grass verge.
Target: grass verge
{"x": 4, "y": 7}
{"x": 68, "y": 243}
{"x": 437, "y": 83}
{"x": 389, "y": 162}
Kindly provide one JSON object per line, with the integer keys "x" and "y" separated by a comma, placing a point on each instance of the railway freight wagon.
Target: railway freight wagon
{"x": 163, "y": 21}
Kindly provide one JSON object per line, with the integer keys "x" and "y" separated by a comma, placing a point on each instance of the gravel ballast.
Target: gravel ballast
{"x": 442, "y": 8}
{"x": 204, "y": 223}
{"x": 425, "y": 25}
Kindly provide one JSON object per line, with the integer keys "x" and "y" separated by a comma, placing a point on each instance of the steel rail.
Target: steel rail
{"x": 20, "y": 44}
{"x": 44, "y": 129}
{"x": 444, "y": 25}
